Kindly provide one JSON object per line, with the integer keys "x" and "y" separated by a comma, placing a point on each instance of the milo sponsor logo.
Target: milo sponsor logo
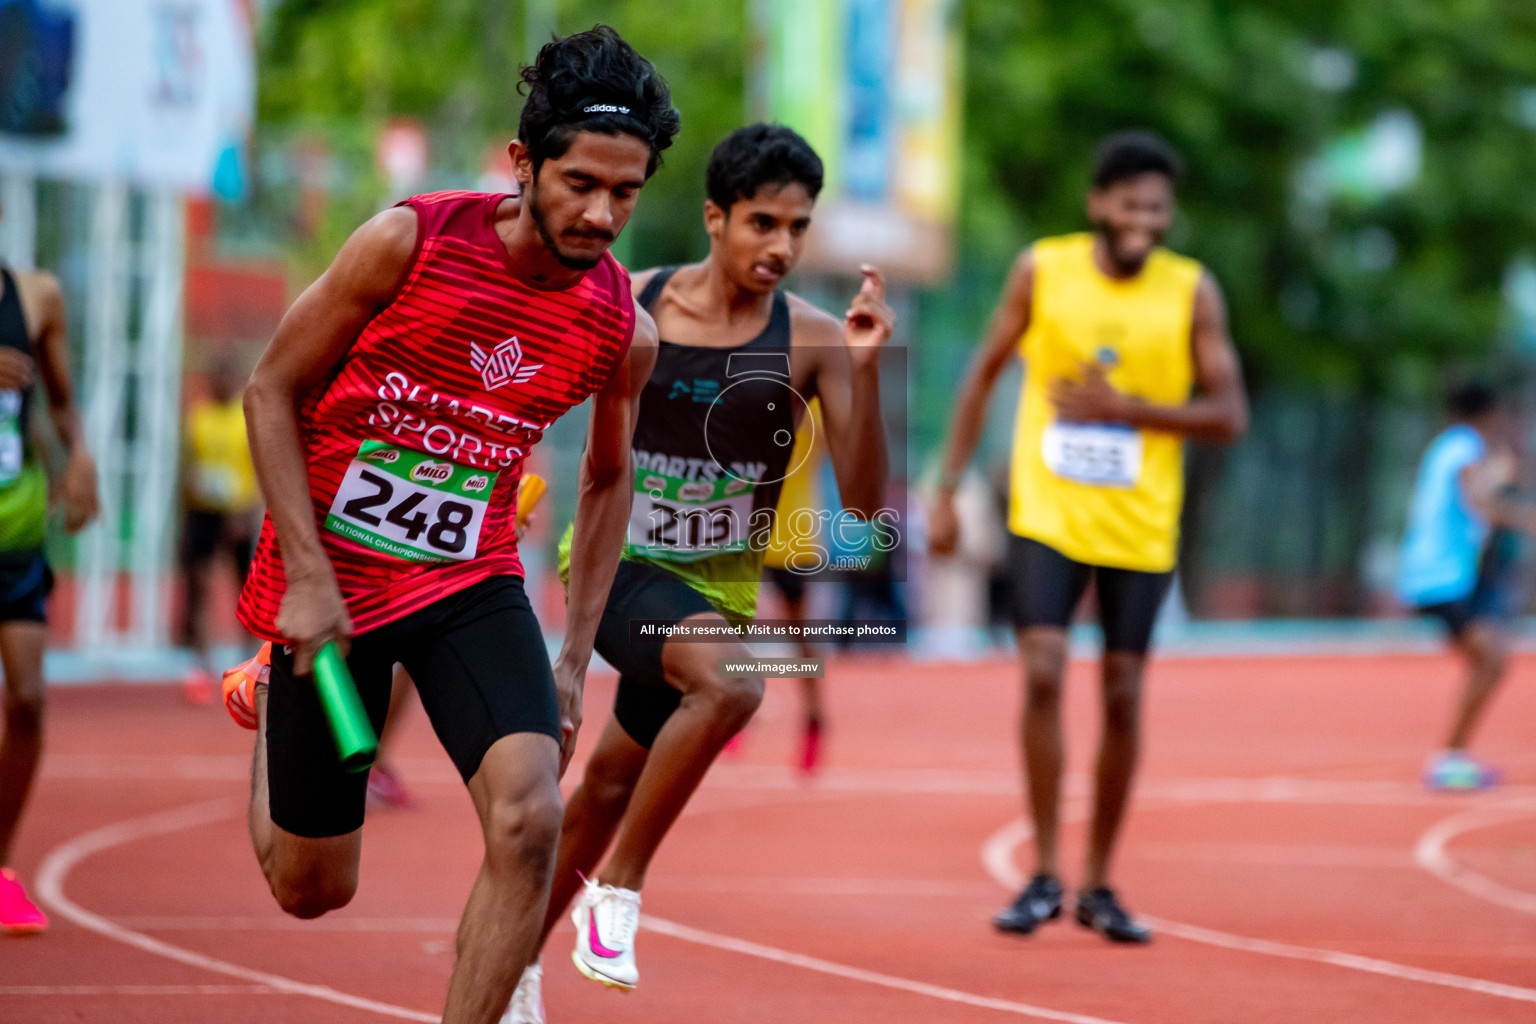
{"x": 654, "y": 483}
{"x": 477, "y": 483}
{"x": 383, "y": 455}
{"x": 431, "y": 471}
{"x": 736, "y": 485}
{"x": 697, "y": 491}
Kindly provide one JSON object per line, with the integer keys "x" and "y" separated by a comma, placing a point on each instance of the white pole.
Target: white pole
{"x": 104, "y": 390}
{"x": 156, "y": 446}
{"x": 18, "y": 222}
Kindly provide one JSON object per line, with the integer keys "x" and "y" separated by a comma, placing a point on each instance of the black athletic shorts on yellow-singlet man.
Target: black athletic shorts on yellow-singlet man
{"x": 645, "y": 700}
{"x": 1047, "y": 587}
{"x": 480, "y": 666}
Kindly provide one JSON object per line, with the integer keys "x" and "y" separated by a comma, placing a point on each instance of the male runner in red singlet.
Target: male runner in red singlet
{"x": 389, "y": 422}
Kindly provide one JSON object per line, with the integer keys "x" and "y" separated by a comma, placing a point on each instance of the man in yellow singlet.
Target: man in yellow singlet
{"x": 1127, "y": 354}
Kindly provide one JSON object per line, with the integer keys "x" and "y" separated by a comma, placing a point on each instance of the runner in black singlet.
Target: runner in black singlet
{"x": 738, "y": 362}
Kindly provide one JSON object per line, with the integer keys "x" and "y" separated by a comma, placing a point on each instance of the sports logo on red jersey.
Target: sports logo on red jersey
{"x": 502, "y": 365}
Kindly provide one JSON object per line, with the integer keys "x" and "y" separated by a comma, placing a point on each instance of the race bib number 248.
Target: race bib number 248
{"x": 411, "y": 505}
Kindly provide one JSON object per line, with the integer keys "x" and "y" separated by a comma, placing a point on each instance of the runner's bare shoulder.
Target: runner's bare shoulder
{"x": 42, "y": 300}
{"x": 375, "y": 261}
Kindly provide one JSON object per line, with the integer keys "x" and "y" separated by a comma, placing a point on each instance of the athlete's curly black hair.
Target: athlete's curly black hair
{"x": 594, "y": 81}
{"x": 1131, "y": 154}
{"x": 758, "y": 155}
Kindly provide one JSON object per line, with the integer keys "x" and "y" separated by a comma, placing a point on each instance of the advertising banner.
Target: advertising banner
{"x": 156, "y": 93}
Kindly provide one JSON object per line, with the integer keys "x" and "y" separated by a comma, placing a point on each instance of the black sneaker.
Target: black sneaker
{"x": 1040, "y": 901}
{"x": 1100, "y": 910}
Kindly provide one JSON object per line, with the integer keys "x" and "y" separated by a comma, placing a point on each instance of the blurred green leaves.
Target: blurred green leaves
{"x": 1337, "y": 288}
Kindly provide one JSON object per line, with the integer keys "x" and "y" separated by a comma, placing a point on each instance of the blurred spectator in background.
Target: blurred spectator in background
{"x": 797, "y": 532}
{"x": 33, "y": 349}
{"x": 218, "y": 486}
{"x": 1457, "y": 563}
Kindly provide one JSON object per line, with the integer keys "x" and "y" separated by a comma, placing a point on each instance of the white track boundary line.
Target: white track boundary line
{"x": 59, "y": 861}
{"x": 62, "y": 859}
{"x": 811, "y": 963}
{"x": 997, "y": 856}
{"x": 1432, "y": 856}
{"x": 138, "y": 990}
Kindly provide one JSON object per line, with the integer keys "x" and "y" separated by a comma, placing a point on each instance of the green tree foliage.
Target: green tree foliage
{"x": 337, "y": 72}
{"x": 1336, "y": 290}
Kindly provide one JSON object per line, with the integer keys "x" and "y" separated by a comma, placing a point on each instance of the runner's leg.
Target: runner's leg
{"x": 1128, "y": 607}
{"x": 1484, "y": 646}
{"x": 1044, "y": 650}
{"x": 308, "y": 876}
{"x": 21, "y": 652}
{"x": 1118, "y": 753}
{"x": 592, "y": 816}
{"x": 713, "y": 709}
{"x": 516, "y": 793}
{"x": 1047, "y": 589}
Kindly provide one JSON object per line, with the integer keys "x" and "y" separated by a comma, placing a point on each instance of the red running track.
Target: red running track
{"x": 1279, "y": 838}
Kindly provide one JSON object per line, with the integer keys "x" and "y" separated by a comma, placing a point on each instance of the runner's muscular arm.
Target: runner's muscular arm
{"x": 1009, "y": 322}
{"x": 848, "y": 383}
{"x": 312, "y": 338}
{"x": 81, "y": 503}
{"x": 1218, "y": 412}
{"x": 606, "y": 485}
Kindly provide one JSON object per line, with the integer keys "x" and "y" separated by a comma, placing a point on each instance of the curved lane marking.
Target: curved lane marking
{"x": 997, "y": 855}
{"x": 1433, "y": 857}
{"x": 59, "y": 861}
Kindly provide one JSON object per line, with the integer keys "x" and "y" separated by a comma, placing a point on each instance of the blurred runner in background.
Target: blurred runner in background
{"x": 33, "y": 349}
{"x": 787, "y": 573}
{"x": 1127, "y": 354}
{"x": 1456, "y": 564}
{"x": 218, "y": 486}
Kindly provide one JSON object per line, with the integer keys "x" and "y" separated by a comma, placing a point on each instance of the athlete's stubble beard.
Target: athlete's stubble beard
{"x": 1125, "y": 266}
{"x": 540, "y": 225}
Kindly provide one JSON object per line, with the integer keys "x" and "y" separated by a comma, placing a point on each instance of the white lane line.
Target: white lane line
{"x": 997, "y": 855}
{"x": 61, "y": 860}
{"x": 1432, "y": 856}
{"x": 274, "y": 923}
{"x": 811, "y": 963}
{"x": 138, "y": 990}
{"x": 1370, "y": 965}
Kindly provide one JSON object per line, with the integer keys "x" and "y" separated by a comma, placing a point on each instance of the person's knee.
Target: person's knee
{"x": 24, "y": 711}
{"x": 1045, "y": 662}
{"x": 523, "y": 831}
{"x": 607, "y": 787}
{"x": 1122, "y": 693}
{"x": 309, "y": 893}
{"x": 733, "y": 701}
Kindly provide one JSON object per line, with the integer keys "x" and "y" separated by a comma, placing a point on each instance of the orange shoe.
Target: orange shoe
{"x": 240, "y": 685}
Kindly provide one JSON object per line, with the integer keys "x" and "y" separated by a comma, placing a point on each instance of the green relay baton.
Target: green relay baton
{"x": 356, "y": 743}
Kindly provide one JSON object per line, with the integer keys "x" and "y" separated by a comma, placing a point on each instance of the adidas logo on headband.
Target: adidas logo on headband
{"x": 604, "y": 108}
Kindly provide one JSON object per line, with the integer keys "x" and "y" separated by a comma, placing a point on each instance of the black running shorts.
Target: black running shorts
{"x": 25, "y": 584}
{"x": 645, "y": 699}
{"x": 1048, "y": 585}
{"x": 480, "y": 666}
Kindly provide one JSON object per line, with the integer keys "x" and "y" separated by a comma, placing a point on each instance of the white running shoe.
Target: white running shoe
{"x": 527, "y": 1005}
{"x": 606, "y": 920}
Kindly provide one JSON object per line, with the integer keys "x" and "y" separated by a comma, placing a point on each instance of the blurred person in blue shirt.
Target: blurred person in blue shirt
{"x": 1457, "y": 559}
